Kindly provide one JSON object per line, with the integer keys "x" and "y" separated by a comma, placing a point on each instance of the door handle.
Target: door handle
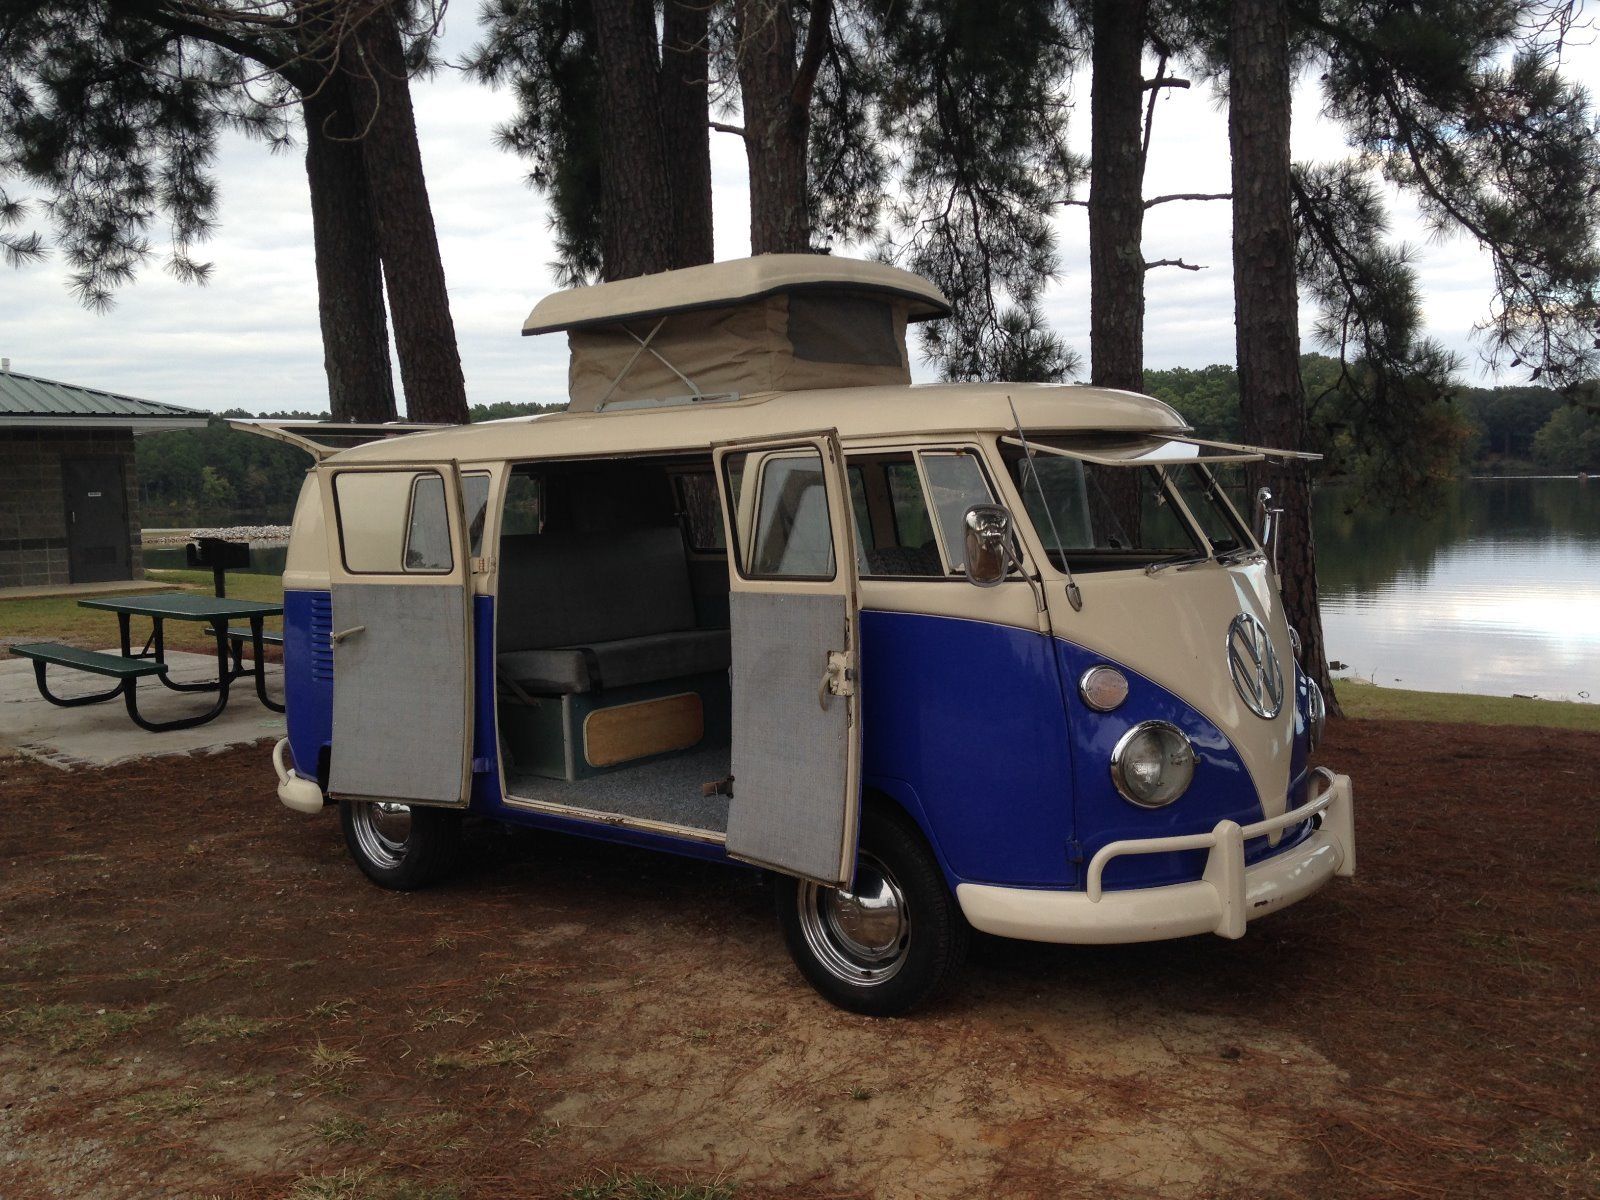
{"x": 336, "y": 638}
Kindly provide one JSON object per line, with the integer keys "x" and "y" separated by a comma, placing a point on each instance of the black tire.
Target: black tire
{"x": 401, "y": 854}
{"x": 890, "y": 971}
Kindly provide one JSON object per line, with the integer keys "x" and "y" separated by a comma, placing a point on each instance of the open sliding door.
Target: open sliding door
{"x": 796, "y": 711}
{"x": 402, "y": 633}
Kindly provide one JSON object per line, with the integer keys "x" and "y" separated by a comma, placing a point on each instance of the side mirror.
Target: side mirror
{"x": 1267, "y": 525}
{"x": 988, "y": 544}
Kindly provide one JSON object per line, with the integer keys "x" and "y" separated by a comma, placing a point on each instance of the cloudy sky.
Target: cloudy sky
{"x": 250, "y": 338}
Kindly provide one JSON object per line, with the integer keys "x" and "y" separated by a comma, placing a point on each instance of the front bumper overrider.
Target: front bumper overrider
{"x": 1223, "y": 900}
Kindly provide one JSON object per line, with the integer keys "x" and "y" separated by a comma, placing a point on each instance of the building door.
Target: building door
{"x": 97, "y": 519}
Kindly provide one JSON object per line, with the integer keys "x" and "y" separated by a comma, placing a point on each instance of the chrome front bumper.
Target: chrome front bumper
{"x": 1223, "y": 900}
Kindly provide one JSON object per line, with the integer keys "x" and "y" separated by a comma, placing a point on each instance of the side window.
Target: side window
{"x": 524, "y": 512}
{"x": 894, "y": 531}
{"x": 393, "y": 522}
{"x": 788, "y": 534}
{"x": 702, "y": 515}
{"x": 956, "y": 482}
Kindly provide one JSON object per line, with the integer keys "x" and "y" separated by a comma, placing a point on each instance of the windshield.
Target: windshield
{"x": 1110, "y": 517}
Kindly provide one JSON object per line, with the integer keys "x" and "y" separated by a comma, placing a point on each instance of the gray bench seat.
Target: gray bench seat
{"x": 619, "y": 663}
{"x": 590, "y": 612}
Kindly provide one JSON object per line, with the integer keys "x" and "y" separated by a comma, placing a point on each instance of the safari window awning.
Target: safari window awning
{"x": 1154, "y": 450}
{"x": 323, "y": 439}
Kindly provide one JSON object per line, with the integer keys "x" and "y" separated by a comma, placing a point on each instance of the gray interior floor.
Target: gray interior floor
{"x": 668, "y": 790}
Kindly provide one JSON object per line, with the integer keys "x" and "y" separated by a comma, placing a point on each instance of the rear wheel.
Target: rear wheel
{"x": 891, "y": 942}
{"x": 400, "y": 846}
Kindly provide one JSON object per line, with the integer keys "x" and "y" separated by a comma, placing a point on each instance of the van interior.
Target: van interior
{"x": 612, "y": 644}
{"x": 612, "y": 638}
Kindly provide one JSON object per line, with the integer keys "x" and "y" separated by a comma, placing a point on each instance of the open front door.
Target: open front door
{"x": 402, "y": 633}
{"x": 796, "y": 711}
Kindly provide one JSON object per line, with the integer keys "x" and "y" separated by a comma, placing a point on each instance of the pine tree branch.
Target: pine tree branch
{"x": 818, "y": 31}
{"x": 1155, "y": 200}
{"x": 721, "y": 127}
{"x": 1173, "y": 262}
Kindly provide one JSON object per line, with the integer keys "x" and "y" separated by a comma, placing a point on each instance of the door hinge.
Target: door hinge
{"x": 483, "y": 564}
{"x": 839, "y": 679}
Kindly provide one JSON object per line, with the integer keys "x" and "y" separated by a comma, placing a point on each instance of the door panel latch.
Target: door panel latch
{"x": 838, "y": 679}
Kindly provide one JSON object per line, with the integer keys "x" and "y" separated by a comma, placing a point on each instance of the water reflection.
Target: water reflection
{"x": 1495, "y": 590}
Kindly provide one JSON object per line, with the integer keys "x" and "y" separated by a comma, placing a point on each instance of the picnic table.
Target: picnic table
{"x": 128, "y": 668}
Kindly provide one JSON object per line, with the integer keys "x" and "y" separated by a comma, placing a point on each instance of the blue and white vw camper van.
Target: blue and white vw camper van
{"x": 938, "y": 658}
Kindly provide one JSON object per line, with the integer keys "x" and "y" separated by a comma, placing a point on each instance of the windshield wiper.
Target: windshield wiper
{"x": 1180, "y": 564}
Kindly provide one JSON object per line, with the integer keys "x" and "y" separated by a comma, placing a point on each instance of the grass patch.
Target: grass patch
{"x": 176, "y": 1102}
{"x": 331, "y": 1060}
{"x": 204, "y": 1030}
{"x": 344, "y": 1130}
{"x": 60, "y": 619}
{"x": 638, "y": 1187}
{"x": 365, "y": 1183}
{"x": 70, "y": 1027}
{"x": 517, "y": 1051}
{"x": 1368, "y": 702}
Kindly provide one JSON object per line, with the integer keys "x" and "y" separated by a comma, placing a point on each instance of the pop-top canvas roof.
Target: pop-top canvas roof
{"x": 776, "y": 322}
{"x": 726, "y": 284}
{"x": 27, "y": 400}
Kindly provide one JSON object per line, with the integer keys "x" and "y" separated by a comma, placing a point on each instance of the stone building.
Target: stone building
{"x": 69, "y": 496}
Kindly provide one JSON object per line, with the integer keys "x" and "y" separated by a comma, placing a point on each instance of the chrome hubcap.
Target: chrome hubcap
{"x": 860, "y": 936}
{"x": 382, "y": 831}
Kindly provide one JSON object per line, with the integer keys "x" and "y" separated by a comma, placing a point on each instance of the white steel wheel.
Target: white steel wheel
{"x": 398, "y": 845}
{"x": 858, "y": 936}
{"x": 891, "y": 941}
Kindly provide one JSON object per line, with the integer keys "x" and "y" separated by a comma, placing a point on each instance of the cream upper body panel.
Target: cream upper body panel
{"x": 931, "y": 410}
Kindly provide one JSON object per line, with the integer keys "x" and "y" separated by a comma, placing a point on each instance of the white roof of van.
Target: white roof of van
{"x": 724, "y": 284}
{"x": 858, "y": 413}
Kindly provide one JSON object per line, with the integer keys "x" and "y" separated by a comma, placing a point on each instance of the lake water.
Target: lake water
{"x": 1495, "y": 589}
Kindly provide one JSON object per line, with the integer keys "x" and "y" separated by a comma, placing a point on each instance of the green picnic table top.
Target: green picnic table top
{"x": 184, "y": 606}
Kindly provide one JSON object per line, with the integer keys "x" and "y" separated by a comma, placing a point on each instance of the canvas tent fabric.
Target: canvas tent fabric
{"x": 781, "y": 322}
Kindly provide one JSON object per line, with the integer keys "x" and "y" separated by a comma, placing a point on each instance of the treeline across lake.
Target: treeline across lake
{"x": 1510, "y": 430}
{"x": 218, "y": 474}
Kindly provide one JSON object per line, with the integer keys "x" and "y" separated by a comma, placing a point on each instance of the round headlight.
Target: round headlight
{"x": 1103, "y": 688}
{"x": 1152, "y": 764}
{"x": 1316, "y": 711}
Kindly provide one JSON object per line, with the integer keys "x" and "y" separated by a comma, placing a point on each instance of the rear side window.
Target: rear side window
{"x": 701, "y": 511}
{"x": 393, "y": 522}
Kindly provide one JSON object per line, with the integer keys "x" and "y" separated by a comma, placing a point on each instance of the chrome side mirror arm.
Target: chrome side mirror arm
{"x": 991, "y": 551}
{"x": 1267, "y": 522}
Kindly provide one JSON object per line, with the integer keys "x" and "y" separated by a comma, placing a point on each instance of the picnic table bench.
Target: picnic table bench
{"x": 128, "y": 668}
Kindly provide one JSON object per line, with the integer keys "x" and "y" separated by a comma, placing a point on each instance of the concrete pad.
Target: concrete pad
{"x": 101, "y": 735}
{"x": 111, "y": 587}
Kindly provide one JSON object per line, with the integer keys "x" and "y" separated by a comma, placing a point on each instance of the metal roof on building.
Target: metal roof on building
{"x": 31, "y": 401}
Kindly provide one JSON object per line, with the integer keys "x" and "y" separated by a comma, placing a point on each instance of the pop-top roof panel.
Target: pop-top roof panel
{"x": 724, "y": 284}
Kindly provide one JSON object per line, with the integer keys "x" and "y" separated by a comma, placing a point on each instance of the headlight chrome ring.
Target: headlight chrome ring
{"x": 1153, "y": 764}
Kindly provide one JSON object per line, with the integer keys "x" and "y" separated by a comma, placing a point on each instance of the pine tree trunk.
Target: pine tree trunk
{"x": 1116, "y": 197}
{"x": 1271, "y": 394}
{"x": 775, "y": 128}
{"x": 425, "y": 335}
{"x": 685, "y": 125}
{"x": 1116, "y": 222}
{"x": 355, "y": 330}
{"x": 636, "y": 196}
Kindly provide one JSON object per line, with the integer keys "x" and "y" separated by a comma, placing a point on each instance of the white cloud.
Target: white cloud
{"x": 251, "y": 339}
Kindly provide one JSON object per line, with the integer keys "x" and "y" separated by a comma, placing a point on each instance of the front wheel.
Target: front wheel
{"x": 400, "y": 846}
{"x": 892, "y": 942}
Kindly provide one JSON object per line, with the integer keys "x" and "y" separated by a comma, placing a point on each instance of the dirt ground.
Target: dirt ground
{"x": 201, "y": 996}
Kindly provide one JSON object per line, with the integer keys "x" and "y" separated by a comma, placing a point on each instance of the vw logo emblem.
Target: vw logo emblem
{"x": 1254, "y": 666}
